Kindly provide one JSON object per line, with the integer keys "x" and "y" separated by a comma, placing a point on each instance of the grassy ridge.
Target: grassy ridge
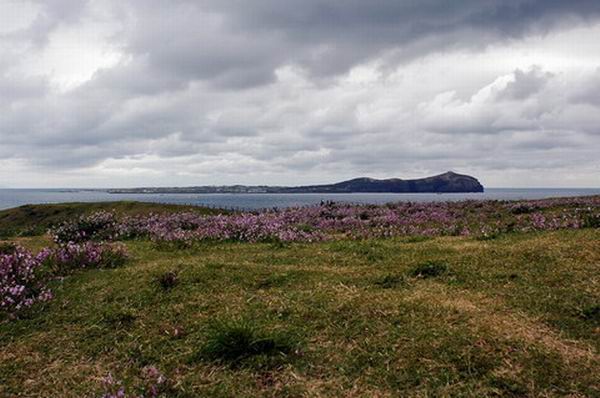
{"x": 36, "y": 219}
{"x": 454, "y": 316}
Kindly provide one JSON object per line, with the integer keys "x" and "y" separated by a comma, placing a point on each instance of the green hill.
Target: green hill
{"x": 36, "y": 219}
{"x": 509, "y": 315}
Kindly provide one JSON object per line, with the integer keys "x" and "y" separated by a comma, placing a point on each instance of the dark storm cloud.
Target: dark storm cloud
{"x": 239, "y": 43}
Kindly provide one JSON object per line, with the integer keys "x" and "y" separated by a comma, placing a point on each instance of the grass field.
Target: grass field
{"x": 515, "y": 315}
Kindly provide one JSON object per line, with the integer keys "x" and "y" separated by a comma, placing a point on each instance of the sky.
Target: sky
{"x": 125, "y": 93}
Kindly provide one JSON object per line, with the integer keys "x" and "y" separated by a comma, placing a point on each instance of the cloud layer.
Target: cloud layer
{"x": 121, "y": 93}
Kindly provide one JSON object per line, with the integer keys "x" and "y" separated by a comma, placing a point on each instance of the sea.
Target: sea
{"x": 10, "y": 198}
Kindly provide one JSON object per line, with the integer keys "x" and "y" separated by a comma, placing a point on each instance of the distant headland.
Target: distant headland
{"x": 448, "y": 182}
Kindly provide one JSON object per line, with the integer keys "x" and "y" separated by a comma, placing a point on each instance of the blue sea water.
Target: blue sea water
{"x": 16, "y": 197}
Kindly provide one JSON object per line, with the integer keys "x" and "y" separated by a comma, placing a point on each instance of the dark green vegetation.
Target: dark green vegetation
{"x": 33, "y": 220}
{"x": 516, "y": 315}
{"x": 235, "y": 341}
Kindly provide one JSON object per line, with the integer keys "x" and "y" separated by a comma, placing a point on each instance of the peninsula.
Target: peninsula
{"x": 448, "y": 182}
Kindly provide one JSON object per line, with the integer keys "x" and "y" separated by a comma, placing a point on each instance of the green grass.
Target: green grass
{"x": 441, "y": 317}
{"x": 34, "y": 220}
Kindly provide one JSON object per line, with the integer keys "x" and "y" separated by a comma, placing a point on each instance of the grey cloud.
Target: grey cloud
{"x": 17, "y": 88}
{"x": 52, "y": 14}
{"x": 588, "y": 91}
{"x": 526, "y": 84}
{"x": 239, "y": 44}
{"x": 340, "y": 33}
{"x": 204, "y": 83}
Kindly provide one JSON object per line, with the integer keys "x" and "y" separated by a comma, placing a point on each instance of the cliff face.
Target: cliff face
{"x": 447, "y": 182}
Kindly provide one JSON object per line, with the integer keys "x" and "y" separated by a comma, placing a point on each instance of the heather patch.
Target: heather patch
{"x": 67, "y": 258}
{"x": 24, "y": 277}
{"x": 483, "y": 219}
{"x": 21, "y": 281}
{"x": 98, "y": 226}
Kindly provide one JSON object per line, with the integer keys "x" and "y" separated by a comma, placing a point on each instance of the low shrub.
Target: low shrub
{"x": 119, "y": 318}
{"x": 429, "y": 269}
{"x": 236, "y": 341}
{"x": 523, "y": 208}
{"x": 167, "y": 280}
{"x": 70, "y": 257}
{"x": 591, "y": 221}
{"x": 99, "y": 226}
{"x": 7, "y": 248}
{"x": 274, "y": 280}
{"x": 591, "y": 313}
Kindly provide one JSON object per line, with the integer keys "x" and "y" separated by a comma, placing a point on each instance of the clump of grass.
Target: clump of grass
{"x": 167, "y": 280}
{"x": 390, "y": 281}
{"x": 416, "y": 239}
{"x": 591, "y": 221}
{"x": 429, "y": 269}
{"x": 7, "y": 233}
{"x": 523, "y": 208}
{"x": 508, "y": 387}
{"x": 273, "y": 280}
{"x": 278, "y": 244}
{"x": 8, "y": 248}
{"x": 370, "y": 250}
{"x": 484, "y": 236}
{"x": 32, "y": 231}
{"x": 119, "y": 319}
{"x": 239, "y": 340}
{"x": 591, "y": 313}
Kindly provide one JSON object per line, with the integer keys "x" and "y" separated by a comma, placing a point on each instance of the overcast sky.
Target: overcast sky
{"x": 114, "y": 93}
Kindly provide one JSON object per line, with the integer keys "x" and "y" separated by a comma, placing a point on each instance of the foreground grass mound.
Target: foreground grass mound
{"x": 469, "y": 299}
{"x": 513, "y": 316}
